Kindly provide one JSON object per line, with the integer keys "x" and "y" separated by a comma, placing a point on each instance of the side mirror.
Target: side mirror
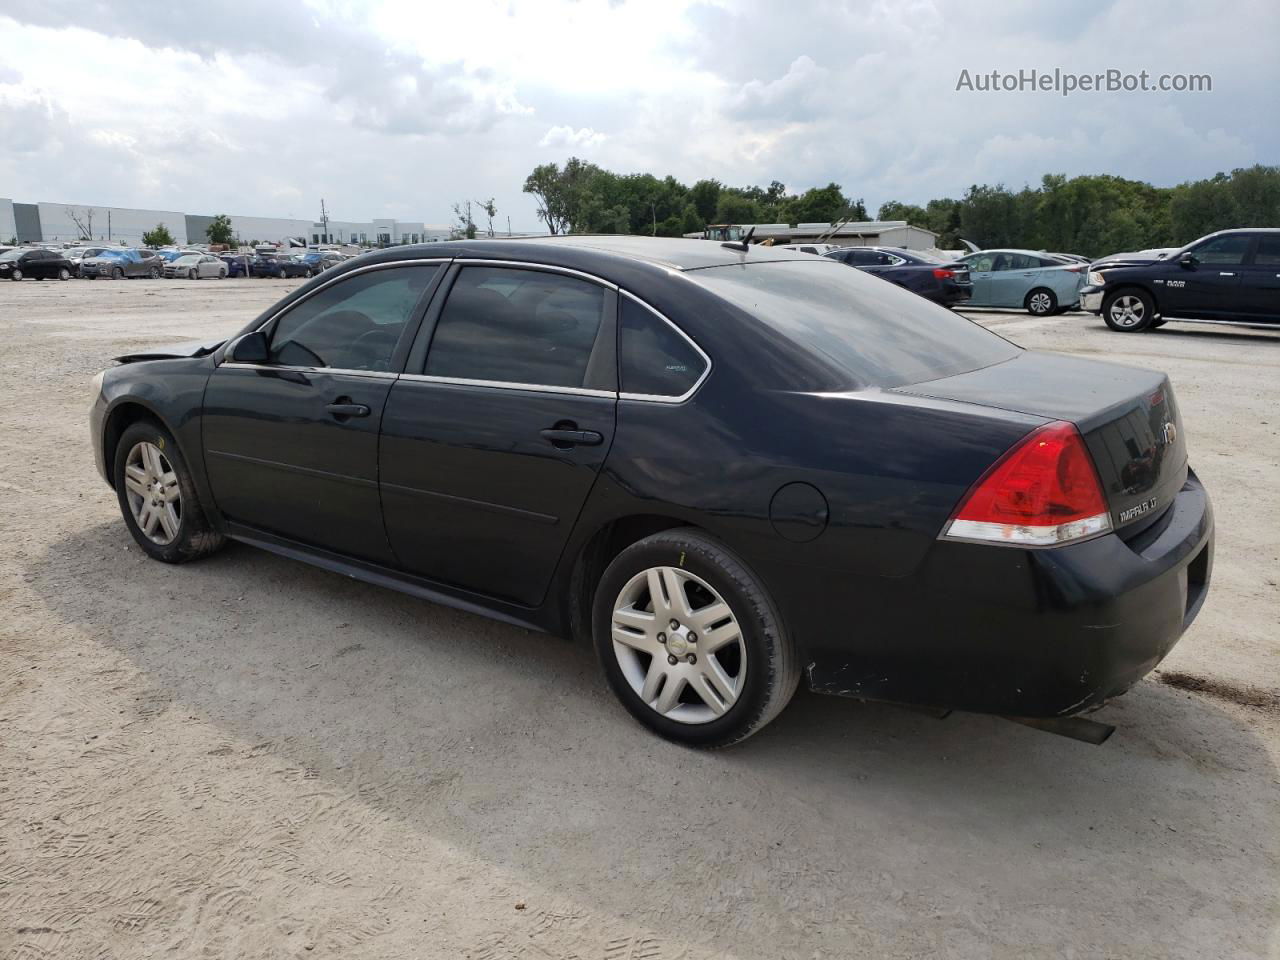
{"x": 251, "y": 348}
{"x": 1187, "y": 261}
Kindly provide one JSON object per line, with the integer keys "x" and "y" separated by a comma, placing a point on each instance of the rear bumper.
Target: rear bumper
{"x": 951, "y": 293}
{"x": 1031, "y": 633}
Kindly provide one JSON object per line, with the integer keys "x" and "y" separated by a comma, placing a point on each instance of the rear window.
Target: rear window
{"x": 874, "y": 331}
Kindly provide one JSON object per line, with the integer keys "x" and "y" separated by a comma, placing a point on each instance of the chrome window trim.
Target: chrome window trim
{"x": 507, "y": 385}
{"x": 660, "y": 398}
{"x": 545, "y": 267}
{"x": 374, "y": 374}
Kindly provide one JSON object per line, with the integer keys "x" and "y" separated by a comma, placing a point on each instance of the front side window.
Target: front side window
{"x": 982, "y": 263}
{"x": 1227, "y": 251}
{"x": 509, "y": 325}
{"x": 654, "y": 359}
{"x": 353, "y": 324}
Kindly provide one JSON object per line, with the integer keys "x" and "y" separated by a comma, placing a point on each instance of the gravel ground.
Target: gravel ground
{"x": 248, "y": 757}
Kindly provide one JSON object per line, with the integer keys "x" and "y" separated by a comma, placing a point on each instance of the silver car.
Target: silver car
{"x": 195, "y": 266}
{"x": 1039, "y": 283}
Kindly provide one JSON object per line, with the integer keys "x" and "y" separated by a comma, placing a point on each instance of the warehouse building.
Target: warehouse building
{"x": 65, "y": 222}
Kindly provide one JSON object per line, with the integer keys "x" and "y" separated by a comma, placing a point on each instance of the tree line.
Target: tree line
{"x": 1090, "y": 215}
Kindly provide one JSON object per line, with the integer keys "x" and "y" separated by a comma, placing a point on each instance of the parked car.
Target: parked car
{"x": 280, "y": 266}
{"x": 196, "y": 266}
{"x": 120, "y": 263}
{"x": 1069, "y": 257}
{"x": 168, "y": 256}
{"x": 944, "y": 282}
{"x": 1231, "y": 275}
{"x": 238, "y": 264}
{"x": 20, "y": 263}
{"x": 319, "y": 260}
{"x": 815, "y": 248}
{"x": 77, "y": 256}
{"x": 1035, "y": 282}
{"x": 735, "y": 468}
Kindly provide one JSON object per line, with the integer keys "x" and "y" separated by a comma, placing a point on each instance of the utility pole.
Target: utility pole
{"x": 108, "y": 226}
{"x": 508, "y": 227}
{"x": 324, "y": 221}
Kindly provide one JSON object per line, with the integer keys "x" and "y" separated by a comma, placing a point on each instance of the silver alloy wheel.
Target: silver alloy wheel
{"x": 16, "y": 275}
{"x": 151, "y": 487}
{"x": 64, "y": 274}
{"x": 679, "y": 645}
{"x": 1128, "y": 311}
{"x": 1040, "y": 302}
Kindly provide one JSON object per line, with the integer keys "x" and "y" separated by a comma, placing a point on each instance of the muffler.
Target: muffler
{"x": 1077, "y": 728}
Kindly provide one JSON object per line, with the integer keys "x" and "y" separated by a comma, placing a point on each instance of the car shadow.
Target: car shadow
{"x": 840, "y": 823}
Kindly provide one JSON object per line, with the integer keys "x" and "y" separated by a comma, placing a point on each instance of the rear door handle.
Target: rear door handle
{"x": 586, "y": 438}
{"x": 347, "y": 409}
{"x": 1223, "y": 273}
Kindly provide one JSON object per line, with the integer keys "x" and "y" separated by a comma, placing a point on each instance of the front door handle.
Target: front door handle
{"x": 569, "y": 438}
{"x": 1223, "y": 273}
{"x": 347, "y": 409}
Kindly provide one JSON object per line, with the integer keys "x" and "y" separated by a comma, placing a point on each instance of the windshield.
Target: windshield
{"x": 189, "y": 258}
{"x": 878, "y": 333}
{"x": 13, "y": 254}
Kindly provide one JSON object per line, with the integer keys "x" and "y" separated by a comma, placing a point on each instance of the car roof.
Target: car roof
{"x": 668, "y": 252}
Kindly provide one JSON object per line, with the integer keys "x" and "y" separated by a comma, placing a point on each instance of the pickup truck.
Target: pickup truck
{"x": 1231, "y": 275}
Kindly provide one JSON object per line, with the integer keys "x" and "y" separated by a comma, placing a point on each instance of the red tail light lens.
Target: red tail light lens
{"x": 943, "y": 274}
{"x": 1044, "y": 491}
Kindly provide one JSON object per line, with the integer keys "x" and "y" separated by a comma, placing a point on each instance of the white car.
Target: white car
{"x": 195, "y": 266}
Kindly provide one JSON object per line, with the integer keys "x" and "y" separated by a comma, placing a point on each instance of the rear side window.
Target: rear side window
{"x": 507, "y": 325}
{"x": 874, "y": 334}
{"x": 654, "y": 358}
{"x": 353, "y": 324}
{"x": 1268, "y": 254}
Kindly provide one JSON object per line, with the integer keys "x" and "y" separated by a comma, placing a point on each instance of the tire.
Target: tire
{"x": 16, "y": 275}
{"x": 64, "y": 273}
{"x": 1041, "y": 302}
{"x": 191, "y": 275}
{"x": 1129, "y": 310}
{"x": 155, "y": 273}
{"x": 117, "y": 273}
{"x": 189, "y": 534}
{"x": 307, "y": 273}
{"x": 755, "y": 657}
{"x": 222, "y": 274}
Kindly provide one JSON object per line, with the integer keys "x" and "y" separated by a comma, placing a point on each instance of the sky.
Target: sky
{"x": 397, "y": 108}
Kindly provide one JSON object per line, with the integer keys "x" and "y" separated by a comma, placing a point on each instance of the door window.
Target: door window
{"x": 508, "y": 325}
{"x": 353, "y": 324}
{"x": 1268, "y": 253}
{"x": 983, "y": 263}
{"x": 1225, "y": 251}
{"x": 655, "y": 359}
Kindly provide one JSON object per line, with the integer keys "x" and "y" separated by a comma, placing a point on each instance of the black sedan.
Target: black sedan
{"x": 19, "y": 263}
{"x": 733, "y": 468}
{"x": 942, "y": 281}
{"x": 281, "y": 267}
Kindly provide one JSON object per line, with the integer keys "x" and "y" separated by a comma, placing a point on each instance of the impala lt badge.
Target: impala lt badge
{"x": 1146, "y": 506}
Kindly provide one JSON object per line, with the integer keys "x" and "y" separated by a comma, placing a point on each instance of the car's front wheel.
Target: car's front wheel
{"x": 1129, "y": 311}
{"x": 64, "y": 273}
{"x": 117, "y": 273}
{"x": 1041, "y": 302}
{"x": 158, "y": 496}
{"x": 16, "y": 275}
{"x": 690, "y": 641}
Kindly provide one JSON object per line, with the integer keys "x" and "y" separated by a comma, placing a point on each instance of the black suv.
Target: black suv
{"x": 1229, "y": 275}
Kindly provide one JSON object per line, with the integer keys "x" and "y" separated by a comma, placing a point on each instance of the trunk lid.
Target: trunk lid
{"x": 1127, "y": 416}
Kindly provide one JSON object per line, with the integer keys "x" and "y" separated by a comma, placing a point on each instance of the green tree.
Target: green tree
{"x": 159, "y": 237}
{"x": 705, "y": 195}
{"x": 892, "y": 210}
{"x": 219, "y": 230}
{"x": 490, "y": 210}
{"x": 735, "y": 208}
{"x": 465, "y": 227}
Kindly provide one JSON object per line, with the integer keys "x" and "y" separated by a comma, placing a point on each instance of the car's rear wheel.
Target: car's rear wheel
{"x": 690, "y": 641}
{"x": 158, "y": 497}
{"x": 64, "y": 273}
{"x": 307, "y": 273}
{"x": 1041, "y": 302}
{"x": 1129, "y": 311}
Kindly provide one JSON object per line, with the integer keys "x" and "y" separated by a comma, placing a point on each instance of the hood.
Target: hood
{"x": 177, "y": 351}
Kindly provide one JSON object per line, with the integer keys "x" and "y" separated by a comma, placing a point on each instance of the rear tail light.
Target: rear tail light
{"x": 1043, "y": 492}
{"x": 943, "y": 274}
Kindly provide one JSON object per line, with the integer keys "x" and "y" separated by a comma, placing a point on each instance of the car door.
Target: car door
{"x": 33, "y": 265}
{"x": 1260, "y": 280}
{"x": 209, "y": 266}
{"x": 493, "y": 437}
{"x": 1208, "y": 286}
{"x": 291, "y": 445}
{"x": 981, "y": 266}
{"x": 1012, "y": 276}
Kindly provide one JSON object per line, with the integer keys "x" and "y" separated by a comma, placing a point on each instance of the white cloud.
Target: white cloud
{"x": 566, "y": 136}
{"x": 403, "y": 108}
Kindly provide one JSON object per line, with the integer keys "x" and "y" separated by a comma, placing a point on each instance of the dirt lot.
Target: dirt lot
{"x": 247, "y": 757}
